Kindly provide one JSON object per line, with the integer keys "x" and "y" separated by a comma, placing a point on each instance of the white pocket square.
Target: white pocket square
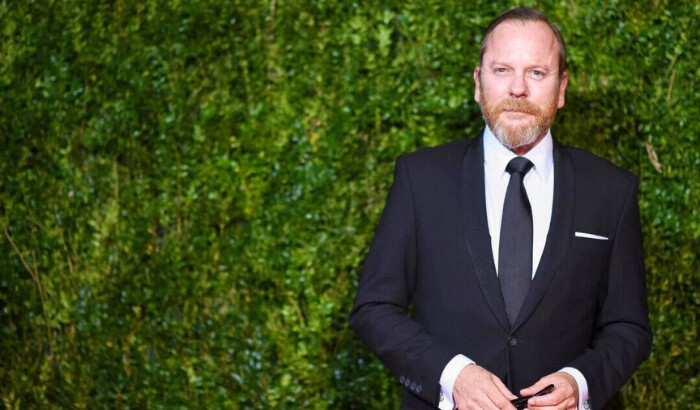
{"x": 590, "y": 236}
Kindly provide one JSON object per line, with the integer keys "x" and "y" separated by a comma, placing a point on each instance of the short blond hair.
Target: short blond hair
{"x": 525, "y": 15}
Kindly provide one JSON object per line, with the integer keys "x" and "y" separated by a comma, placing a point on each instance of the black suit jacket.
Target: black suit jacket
{"x": 429, "y": 288}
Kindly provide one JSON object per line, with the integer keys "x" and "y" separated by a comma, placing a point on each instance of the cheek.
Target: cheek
{"x": 493, "y": 92}
{"x": 546, "y": 98}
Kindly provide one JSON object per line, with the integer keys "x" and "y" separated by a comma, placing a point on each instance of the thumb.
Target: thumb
{"x": 534, "y": 388}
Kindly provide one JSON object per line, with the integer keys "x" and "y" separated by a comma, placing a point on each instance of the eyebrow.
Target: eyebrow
{"x": 531, "y": 67}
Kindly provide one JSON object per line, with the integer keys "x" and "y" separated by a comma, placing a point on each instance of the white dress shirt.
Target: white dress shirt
{"x": 539, "y": 185}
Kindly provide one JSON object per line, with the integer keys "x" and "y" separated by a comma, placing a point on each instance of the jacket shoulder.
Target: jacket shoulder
{"x": 445, "y": 156}
{"x": 597, "y": 170}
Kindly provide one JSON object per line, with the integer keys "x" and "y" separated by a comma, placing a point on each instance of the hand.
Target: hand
{"x": 563, "y": 397}
{"x": 476, "y": 389}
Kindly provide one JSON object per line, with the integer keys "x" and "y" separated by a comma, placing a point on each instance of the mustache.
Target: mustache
{"x": 513, "y": 104}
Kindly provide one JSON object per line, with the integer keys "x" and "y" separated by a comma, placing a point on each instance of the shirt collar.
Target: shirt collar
{"x": 497, "y": 156}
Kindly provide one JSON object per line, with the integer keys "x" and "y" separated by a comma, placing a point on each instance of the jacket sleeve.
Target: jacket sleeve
{"x": 623, "y": 337}
{"x": 380, "y": 315}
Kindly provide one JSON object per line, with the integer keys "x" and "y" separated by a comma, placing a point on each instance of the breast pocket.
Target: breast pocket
{"x": 588, "y": 261}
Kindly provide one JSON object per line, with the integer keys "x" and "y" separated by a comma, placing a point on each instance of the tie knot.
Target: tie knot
{"x": 520, "y": 165}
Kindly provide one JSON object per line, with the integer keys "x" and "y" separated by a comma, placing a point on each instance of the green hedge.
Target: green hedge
{"x": 188, "y": 188}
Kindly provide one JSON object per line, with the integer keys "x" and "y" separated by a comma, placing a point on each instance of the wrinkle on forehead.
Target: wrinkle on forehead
{"x": 523, "y": 42}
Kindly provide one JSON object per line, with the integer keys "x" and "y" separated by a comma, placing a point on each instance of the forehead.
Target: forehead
{"x": 525, "y": 42}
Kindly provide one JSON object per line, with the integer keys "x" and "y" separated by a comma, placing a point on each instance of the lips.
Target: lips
{"x": 518, "y": 113}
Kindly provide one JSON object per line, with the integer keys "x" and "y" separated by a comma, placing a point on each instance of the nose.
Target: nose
{"x": 518, "y": 86}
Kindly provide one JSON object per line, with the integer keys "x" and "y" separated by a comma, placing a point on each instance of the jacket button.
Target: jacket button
{"x": 419, "y": 388}
{"x": 512, "y": 340}
{"x": 401, "y": 379}
{"x": 407, "y": 382}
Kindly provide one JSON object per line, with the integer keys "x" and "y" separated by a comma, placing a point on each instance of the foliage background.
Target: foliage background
{"x": 188, "y": 188}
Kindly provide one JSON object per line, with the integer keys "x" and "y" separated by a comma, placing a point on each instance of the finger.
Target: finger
{"x": 498, "y": 398}
{"x": 562, "y": 393}
{"x": 541, "y": 384}
{"x": 552, "y": 399}
{"x": 557, "y": 407}
{"x": 568, "y": 401}
{"x": 484, "y": 402}
{"x": 478, "y": 399}
{"x": 502, "y": 388}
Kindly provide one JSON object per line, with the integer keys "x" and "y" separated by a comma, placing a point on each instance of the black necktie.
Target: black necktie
{"x": 515, "y": 246}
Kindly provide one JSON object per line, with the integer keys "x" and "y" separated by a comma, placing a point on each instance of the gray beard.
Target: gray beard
{"x": 513, "y": 139}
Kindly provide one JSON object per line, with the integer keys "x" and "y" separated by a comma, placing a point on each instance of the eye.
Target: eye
{"x": 500, "y": 70}
{"x": 537, "y": 74}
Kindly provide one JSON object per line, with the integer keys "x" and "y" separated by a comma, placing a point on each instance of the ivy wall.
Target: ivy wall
{"x": 188, "y": 188}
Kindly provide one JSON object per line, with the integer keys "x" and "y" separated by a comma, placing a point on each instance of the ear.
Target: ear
{"x": 563, "y": 82}
{"x": 477, "y": 84}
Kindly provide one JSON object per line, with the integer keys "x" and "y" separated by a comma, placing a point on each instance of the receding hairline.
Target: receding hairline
{"x": 524, "y": 16}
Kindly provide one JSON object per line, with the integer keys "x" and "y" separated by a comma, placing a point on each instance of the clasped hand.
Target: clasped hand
{"x": 478, "y": 389}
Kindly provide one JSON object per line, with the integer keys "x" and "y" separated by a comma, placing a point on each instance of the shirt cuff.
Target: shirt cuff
{"x": 584, "y": 402}
{"x": 448, "y": 378}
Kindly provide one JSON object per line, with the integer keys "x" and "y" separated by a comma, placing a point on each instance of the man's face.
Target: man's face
{"x": 518, "y": 85}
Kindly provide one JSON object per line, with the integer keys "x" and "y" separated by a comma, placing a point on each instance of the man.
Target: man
{"x": 519, "y": 259}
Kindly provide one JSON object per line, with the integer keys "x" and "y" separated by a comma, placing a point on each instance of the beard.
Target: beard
{"x": 516, "y": 136}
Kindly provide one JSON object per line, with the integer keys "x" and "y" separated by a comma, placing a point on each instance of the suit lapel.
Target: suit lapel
{"x": 559, "y": 235}
{"x": 476, "y": 230}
